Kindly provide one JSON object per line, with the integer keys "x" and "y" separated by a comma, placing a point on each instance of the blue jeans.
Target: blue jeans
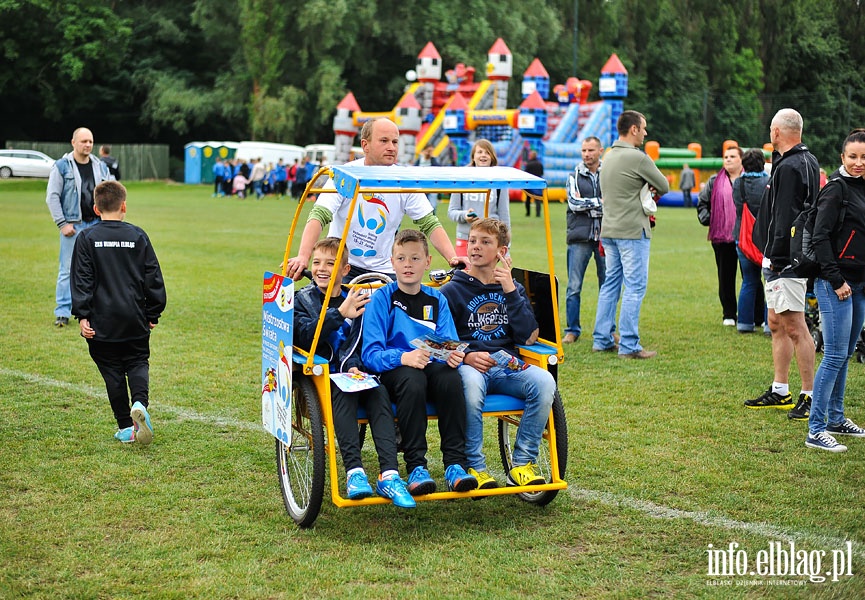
{"x": 750, "y": 295}
{"x": 578, "y": 260}
{"x": 256, "y": 185}
{"x": 534, "y": 384}
{"x": 628, "y": 265}
{"x": 63, "y": 292}
{"x": 842, "y": 322}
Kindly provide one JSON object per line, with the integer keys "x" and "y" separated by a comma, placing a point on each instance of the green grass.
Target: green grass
{"x": 663, "y": 460}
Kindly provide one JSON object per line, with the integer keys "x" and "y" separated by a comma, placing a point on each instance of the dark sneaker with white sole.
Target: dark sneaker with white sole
{"x": 848, "y": 427}
{"x": 824, "y": 441}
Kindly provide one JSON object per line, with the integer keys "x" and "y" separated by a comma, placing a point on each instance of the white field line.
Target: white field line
{"x": 99, "y": 393}
{"x": 656, "y": 511}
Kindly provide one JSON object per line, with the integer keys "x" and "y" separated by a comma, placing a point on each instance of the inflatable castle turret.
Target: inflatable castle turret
{"x": 429, "y": 71}
{"x": 613, "y": 89}
{"x": 536, "y": 79}
{"x": 409, "y": 122}
{"x": 532, "y": 123}
{"x": 500, "y": 68}
{"x": 344, "y": 128}
{"x": 455, "y": 128}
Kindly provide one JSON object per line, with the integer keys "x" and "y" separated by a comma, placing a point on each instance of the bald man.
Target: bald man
{"x": 70, "y": 199}
{"x": 370, "y": 238}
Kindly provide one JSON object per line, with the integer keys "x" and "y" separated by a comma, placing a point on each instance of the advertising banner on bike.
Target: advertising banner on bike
{"x": 276, "y": 339}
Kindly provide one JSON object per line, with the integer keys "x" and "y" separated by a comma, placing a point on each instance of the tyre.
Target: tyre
{"x": 817, "y": 336}
{"x": 507, "y": 436}
{"x": 5, "y": 172}
{"x": 300, "y": 463}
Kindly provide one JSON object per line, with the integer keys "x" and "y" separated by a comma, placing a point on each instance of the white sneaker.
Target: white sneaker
{"x": 824, "y": 441}
{"x": 729, "y": 323}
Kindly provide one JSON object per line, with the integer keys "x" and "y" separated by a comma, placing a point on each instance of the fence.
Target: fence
{"x": 136, "y": 161}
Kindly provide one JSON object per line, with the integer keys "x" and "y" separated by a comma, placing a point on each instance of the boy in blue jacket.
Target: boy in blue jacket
{"x": 340, "y": 344}
{"x": 493, "y": 314}
{"x": 397, "y": 314}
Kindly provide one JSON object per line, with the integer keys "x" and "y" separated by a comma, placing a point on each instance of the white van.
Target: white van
{"x": 269, "y": 152}
{"x": 315, "y": 152}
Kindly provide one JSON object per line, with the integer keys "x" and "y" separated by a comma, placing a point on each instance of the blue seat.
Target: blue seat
{"x": 494, "y": 403}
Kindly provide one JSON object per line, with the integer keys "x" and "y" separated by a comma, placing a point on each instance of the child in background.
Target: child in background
{"x": 466, "y": 208}
{"x": 118, "y": 296}
{"x": 340, "y": 344}
{"x": 397, "y": 314}
{"x": 239, "y": 184}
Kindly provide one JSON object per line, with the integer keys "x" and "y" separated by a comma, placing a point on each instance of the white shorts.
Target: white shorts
{"x": 786, "y": 294}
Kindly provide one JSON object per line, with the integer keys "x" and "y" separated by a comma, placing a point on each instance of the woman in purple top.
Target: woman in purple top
{"x": 717, "y": 210}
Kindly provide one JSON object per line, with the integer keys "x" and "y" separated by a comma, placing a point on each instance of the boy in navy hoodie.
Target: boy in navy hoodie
{"x": 493, "y": 314}
{"x": 397, "y": 314}
{"x": 340, "y": 344}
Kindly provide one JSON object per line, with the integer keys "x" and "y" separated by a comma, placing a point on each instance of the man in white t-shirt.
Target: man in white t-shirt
{"x": 377, "y": 217}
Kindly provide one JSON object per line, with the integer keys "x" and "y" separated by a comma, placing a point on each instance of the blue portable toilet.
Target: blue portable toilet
{"x": 193, "y": 156}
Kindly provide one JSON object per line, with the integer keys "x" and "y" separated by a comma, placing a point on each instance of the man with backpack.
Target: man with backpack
{"x": 794, "y": 184}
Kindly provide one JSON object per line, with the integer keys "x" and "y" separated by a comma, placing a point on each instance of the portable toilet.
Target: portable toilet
{"x": 192, "y": 155}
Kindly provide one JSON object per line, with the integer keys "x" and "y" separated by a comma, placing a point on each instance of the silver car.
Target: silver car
{"x": 24, "y": 163}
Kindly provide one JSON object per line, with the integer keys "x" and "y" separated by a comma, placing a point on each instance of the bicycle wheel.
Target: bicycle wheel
{"x": 507, "y": 437}
{"x": 300, "y": 463}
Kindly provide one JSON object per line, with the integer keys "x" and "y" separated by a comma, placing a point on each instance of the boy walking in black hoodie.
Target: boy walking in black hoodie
{"x": 118, "y": 296}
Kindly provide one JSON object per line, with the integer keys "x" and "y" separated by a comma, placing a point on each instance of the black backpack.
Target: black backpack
{"x": 803, "y": 259}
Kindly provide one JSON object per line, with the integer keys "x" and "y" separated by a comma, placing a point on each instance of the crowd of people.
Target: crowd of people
{"x": 608, "y": 219}
{"x": 244, "y": 178}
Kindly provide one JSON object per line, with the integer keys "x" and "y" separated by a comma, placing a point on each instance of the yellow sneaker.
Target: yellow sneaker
{"x": 485, "y": 480}
{"x": 525, "y": 475}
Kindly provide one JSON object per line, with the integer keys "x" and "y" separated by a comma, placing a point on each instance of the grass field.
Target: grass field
{"x": 664, "y": 460}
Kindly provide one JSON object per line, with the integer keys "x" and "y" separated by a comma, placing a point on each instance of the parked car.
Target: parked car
{"x": 24, "y": 163}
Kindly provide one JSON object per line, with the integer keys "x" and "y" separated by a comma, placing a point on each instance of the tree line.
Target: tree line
{"x": 163, "y": 71}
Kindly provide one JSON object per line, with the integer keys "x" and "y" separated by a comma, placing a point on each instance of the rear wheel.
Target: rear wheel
{"x": 5, "y": 172}
{"x": 300, "y": 462}
{"x": 507, "y": 437}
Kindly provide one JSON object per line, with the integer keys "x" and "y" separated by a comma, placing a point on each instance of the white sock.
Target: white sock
{"x": 808, "y": 393}
{"x": 780, "y": 388}
{"x": 353, "y": 471}
{"x": 389, "y": 473}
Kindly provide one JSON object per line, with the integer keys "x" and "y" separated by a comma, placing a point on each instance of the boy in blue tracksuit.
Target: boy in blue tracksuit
{"x": 340, "y": 344}
{"x": 493, "y": 314}
{"x": 397, "y": 314}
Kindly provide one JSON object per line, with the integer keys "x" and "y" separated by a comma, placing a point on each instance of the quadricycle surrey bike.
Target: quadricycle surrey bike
{"x": 296, "y": 398}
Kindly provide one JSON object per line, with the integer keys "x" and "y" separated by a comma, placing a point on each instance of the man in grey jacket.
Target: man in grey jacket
{"x": 686, "y": 184}
{"x": 71, "y": 182}
{"x": 626, "y": 236}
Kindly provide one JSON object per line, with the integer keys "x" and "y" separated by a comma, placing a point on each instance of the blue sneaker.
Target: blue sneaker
{"x": 824, "y": 441}
{"x": 143, "y": 428}
{"x": 458, "y": 480}
{"x": 127, "y": 436}
{"x": 395, "y": 488}
{"x": 420, "y": 482}
{"x": 357, "y": 486}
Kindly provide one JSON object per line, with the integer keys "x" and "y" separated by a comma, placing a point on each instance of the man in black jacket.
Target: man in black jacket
{"x": 794, "y": 183}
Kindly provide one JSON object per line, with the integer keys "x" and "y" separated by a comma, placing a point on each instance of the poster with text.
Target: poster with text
{"x": 276, "y": 339}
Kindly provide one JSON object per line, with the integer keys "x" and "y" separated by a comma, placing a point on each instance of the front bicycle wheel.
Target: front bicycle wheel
{"x": 300, "y": 463}
{"x": 508, "y": 435}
